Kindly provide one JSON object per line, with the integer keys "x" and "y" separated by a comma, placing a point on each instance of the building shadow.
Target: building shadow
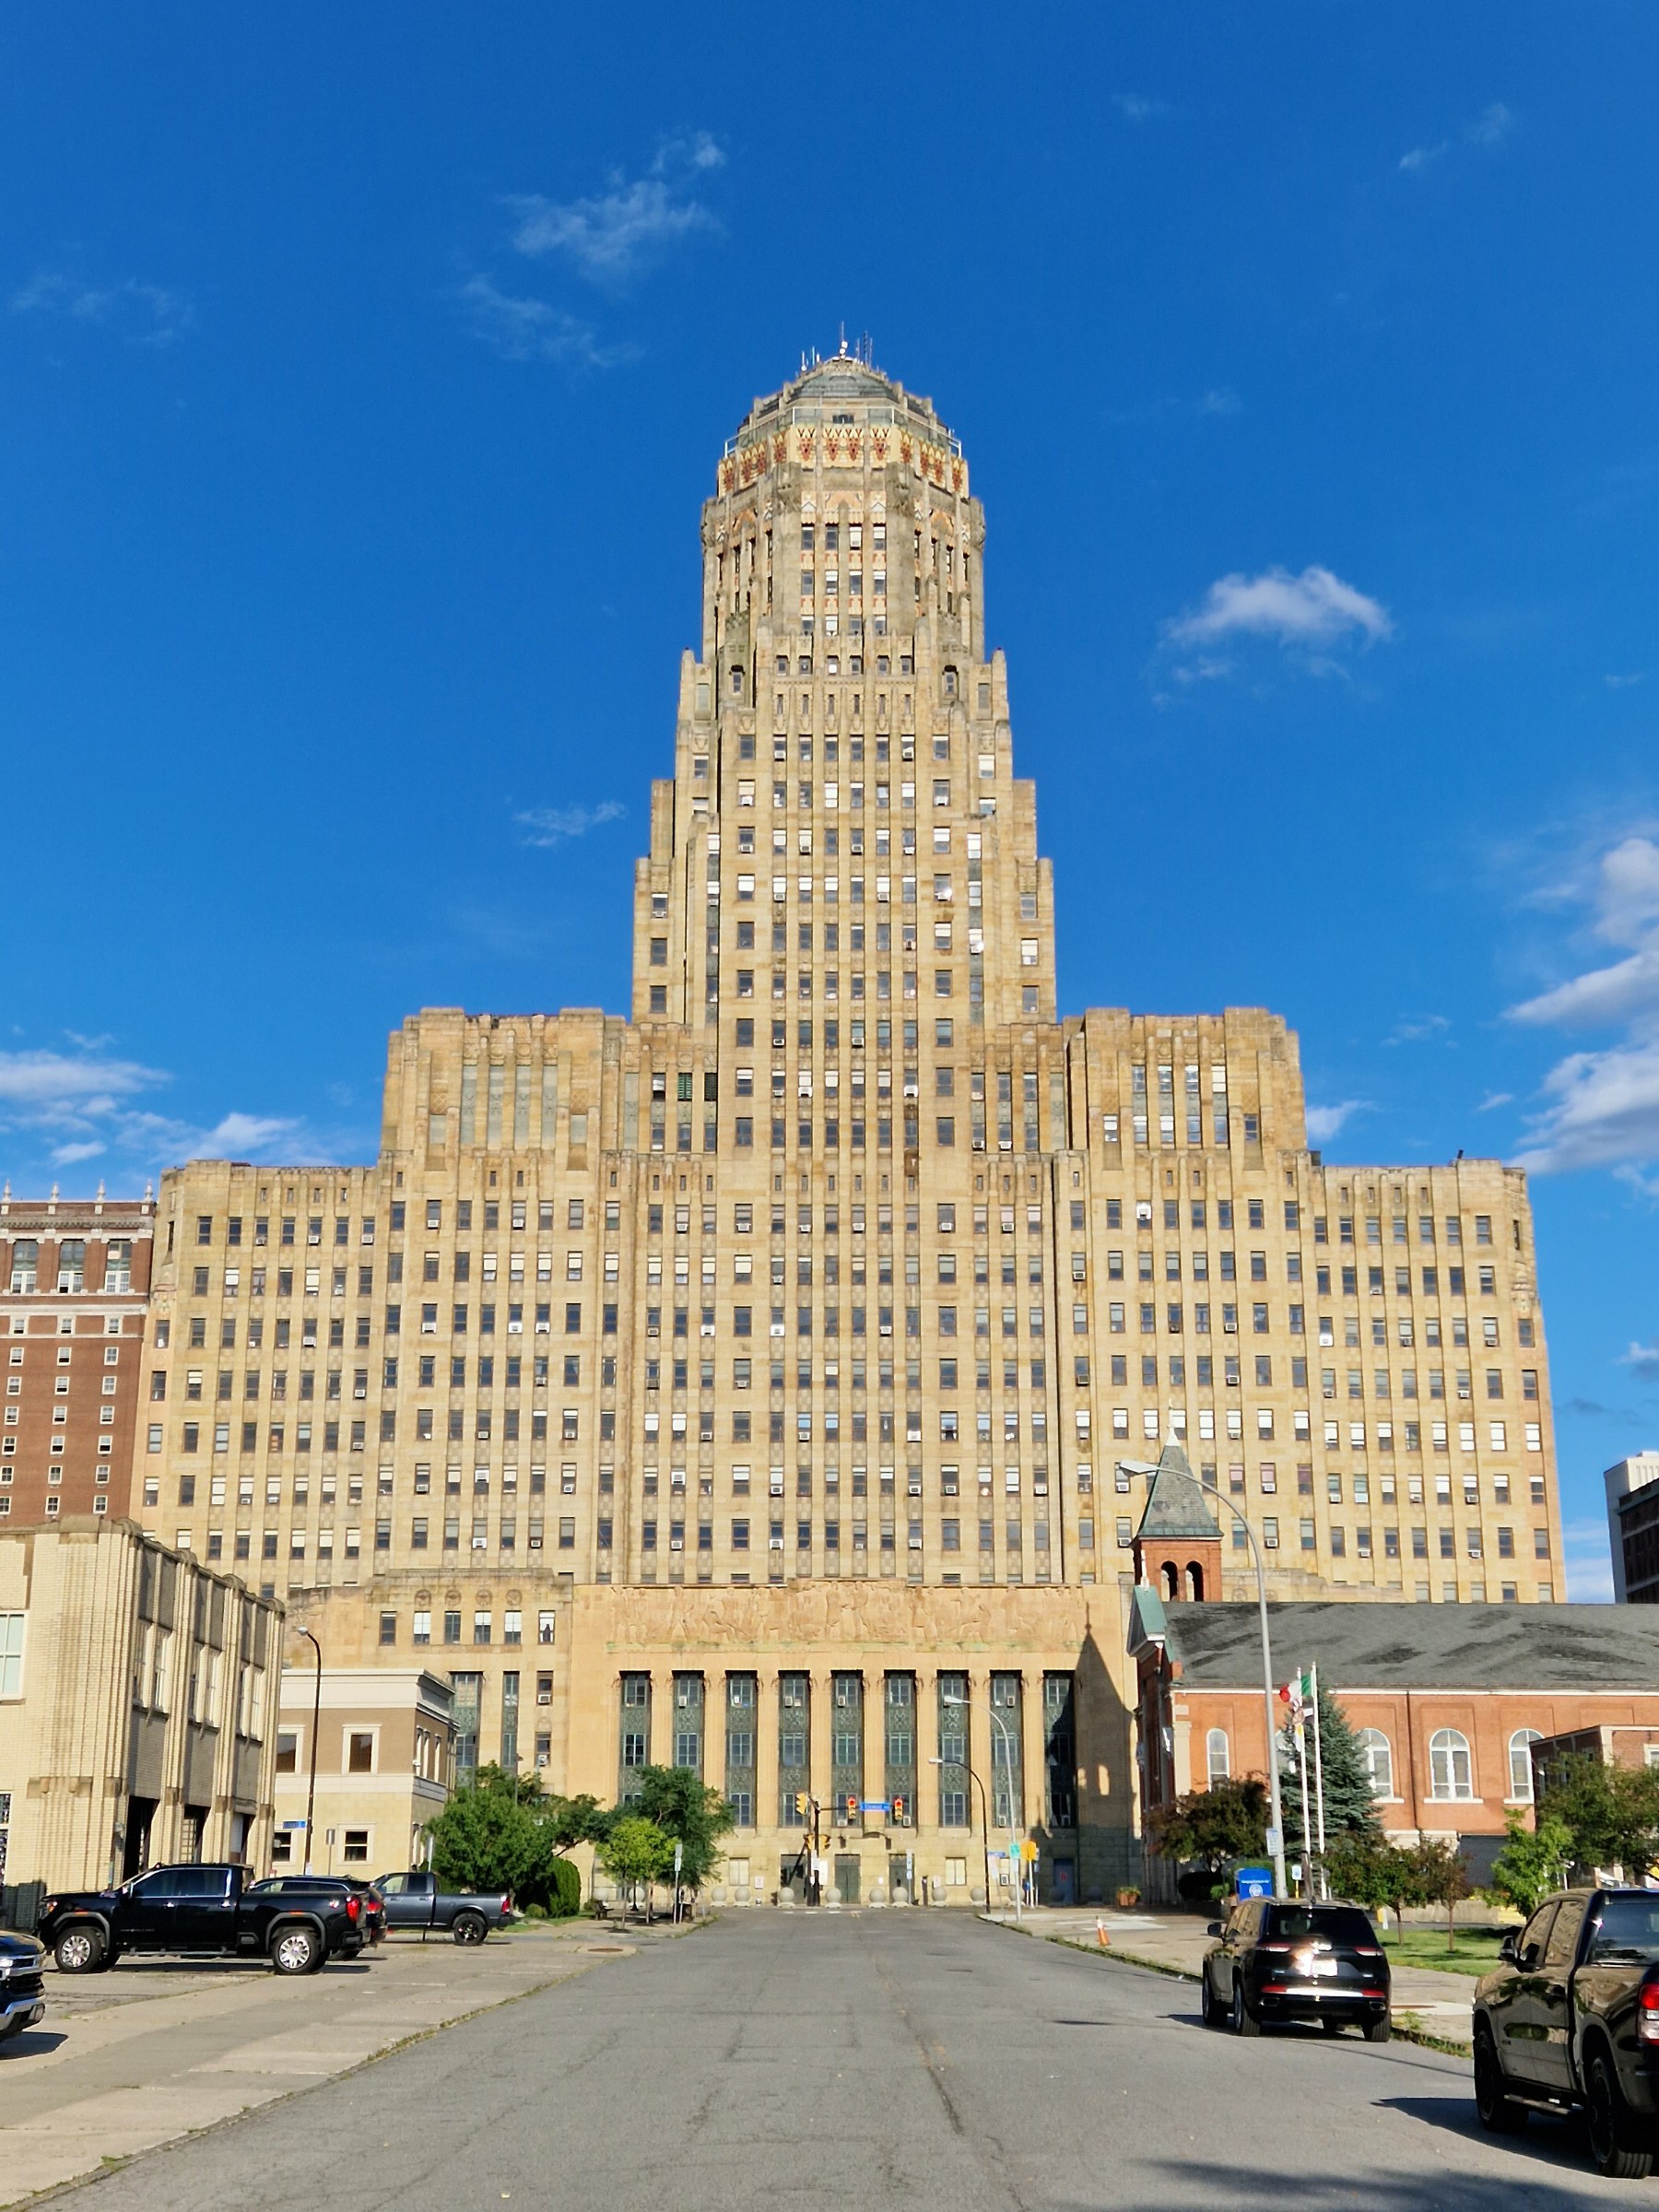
{"x": 1162, "y": 2182}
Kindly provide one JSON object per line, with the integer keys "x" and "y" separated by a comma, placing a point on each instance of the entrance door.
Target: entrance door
{"x": 846, "y": 1878}
{"x": 1063, "y": 1882}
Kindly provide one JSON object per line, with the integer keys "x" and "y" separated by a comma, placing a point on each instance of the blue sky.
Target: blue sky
{"x": 361, "y": 371}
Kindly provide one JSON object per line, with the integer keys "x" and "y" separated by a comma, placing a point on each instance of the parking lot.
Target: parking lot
{"x": 159, "y": 2048}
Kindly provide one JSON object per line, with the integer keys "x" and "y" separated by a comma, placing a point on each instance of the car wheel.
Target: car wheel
{"x": 1211, "y": 2009}
{"x": 1331, "y": 2024}
{"x": 80, "y": 1950}
{"x": 1613, "y": 2149}
{"x": 1494, "y": 2107}
{"x": 296, "y": 1951}
{"x": 1244, "y": 2021}
{"x": 1379, "y": 2030}
{"x": 470, "y": 1927}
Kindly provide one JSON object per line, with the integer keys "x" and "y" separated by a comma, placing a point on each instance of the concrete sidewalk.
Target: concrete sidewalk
{"x": 155, "y": 2049}
{"x": 1438, "y": 2003}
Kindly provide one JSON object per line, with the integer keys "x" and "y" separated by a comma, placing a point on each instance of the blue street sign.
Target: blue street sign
{"x": 293, "y": 1824}
{"x": 1254, "y": 1881}
{"x": 875, "y": 1805}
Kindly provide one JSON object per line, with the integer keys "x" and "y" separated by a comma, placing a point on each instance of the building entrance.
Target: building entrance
{"x": 846, "y": 1878}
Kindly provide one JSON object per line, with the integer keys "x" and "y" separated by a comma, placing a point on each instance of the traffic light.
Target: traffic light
{"x": 803, "y": 1803}
{"x": 851, "y": 1805}
{"x": 898, "y": 1812}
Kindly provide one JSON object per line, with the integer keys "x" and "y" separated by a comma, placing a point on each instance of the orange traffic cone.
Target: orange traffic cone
{"x": 1101, "y": 1936}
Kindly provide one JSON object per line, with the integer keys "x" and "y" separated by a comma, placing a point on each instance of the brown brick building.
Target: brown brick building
{"x": 75, "y": 1277}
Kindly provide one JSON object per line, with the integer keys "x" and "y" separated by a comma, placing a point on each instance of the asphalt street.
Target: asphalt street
{"x": 913, "y": 2059}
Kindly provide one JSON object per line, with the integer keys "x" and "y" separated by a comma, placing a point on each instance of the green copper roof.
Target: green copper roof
{"x": 1176, "y": 1504}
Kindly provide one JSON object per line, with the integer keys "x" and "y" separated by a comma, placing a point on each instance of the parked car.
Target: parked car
{"x": 1570, "y": 2019}
{"x": 194, "y": 1910}
{"x": 312, "y": 1885}
{"x": 415, "y": 1901}
{"x": 1274, "y": 1960}
{"x": 23, "y": 1983}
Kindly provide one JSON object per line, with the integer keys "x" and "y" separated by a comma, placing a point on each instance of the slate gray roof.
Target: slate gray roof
{"x": 1176, "y": 1505}
{"x": 1384, "y": 1646}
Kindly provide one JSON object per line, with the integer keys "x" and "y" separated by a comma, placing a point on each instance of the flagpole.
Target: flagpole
{"x": 1318, "y": 1769}
{"x": 1299, "y": 1727}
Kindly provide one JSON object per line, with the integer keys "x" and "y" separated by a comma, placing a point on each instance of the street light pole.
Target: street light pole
{"x": 1016, "y": 1864}
{"x": 984, "y": 1815}
{"x": 311, "y": 1795}
{"x": 1276, "y": 1810}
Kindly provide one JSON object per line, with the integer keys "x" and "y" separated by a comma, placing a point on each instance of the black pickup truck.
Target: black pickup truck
{"x": 1570, "y": 2019}
{"x": 415, "y": 1901}
{"x": 200, "y": 1909}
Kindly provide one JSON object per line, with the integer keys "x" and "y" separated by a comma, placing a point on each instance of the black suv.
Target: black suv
{"x": 1279, "y": 1960}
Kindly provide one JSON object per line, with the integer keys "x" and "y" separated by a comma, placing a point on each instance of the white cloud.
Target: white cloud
{"x": 1644, "y": 1358}
{"x": 613, "y": 235}
{"x": 1588, "y": 1562}
{"x": 144, "y": 314}
{"x": 1421, "y": 156}
{"x": 1625, "y": 683}
{"x": 62, "y": 1109}
{"x": 1327, "y": 1122}
{"x": 1493, "y": 1100}
{"x": 551, "y": 825}
{"x": 1136, "y": 107}
{"x": 1315, "y": 609}
{"x": 1487, "y": 131}
{"x": 522, "y": 329}
{"x": 1419, "y": 1029}
{"x": 1602, "y": 1105}
{"x": 1222, "y": 400}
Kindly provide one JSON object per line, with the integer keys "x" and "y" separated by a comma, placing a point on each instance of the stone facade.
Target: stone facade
{"x": 808, "y": 1311}
{"x": 136, "y": 1692}
{"x": 385, "y": 1755}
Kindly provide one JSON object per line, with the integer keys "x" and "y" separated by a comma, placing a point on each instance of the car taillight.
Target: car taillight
{"x": 1364, "y": 1951}
{"x": 507, "y": 1903}
{"x": 1279, "y": 1950}
{"x": 353, "y": 1906}
{"x": 1647, "y": 2011}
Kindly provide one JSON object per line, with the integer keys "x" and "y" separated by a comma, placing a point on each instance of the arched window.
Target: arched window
{"x": 1214, "y": 1755}
{"x": 1521, "y": 1773}
{"x": 1376, "y": 1753}
{"x": 1450, "y": 1772}
{"x": 1171, "y": 1581}
{"x": 1194, "y": 1582}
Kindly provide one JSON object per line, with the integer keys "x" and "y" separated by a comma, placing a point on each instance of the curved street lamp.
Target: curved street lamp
{"x": 310, "y": 1794}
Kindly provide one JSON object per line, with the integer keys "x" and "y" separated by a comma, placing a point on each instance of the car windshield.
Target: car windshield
{"x": 1320, "y": 1924}
{"x": 1628, "y": 1929}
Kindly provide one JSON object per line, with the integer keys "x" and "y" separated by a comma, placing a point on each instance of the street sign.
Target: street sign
{"x": 679, "y": 1859}
{"x": 1275, "y": 1840}
{"x": 293, "y": 1824}
{"x": 874, "y": 1804}
{"x": 1254, "y": 1881}
{"x": 1028, "y": 1851}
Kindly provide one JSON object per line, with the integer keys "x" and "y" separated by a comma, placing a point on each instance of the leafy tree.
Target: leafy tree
{"x": 1225, "y": 1822}
{"x": 1532, "y": 1863}
{"x": 637, "y": 1851}
{"x": 1442, "y": 1878}
{"x": 488, "y": 1837}
{"x": 1350, "y": 1804}
{"x": 690, "y": 1812}
{"x": 572, "y": 1820}
{"x": 1613, "y": 1812}
{"x": 1374, "y": 1871}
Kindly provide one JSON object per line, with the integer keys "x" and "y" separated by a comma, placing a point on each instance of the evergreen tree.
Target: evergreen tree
{"x": 1350, "y": 1804}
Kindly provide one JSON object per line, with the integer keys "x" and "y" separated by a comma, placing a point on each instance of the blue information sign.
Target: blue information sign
{"x": 875, "y": 1805}
{"x": 1254, "y": 1881}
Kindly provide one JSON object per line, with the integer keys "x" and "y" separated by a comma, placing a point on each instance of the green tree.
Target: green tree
{"x": 488, "y": 1837}
{"x": 1442, "y": 1878}
{"x": 1532, "y": 1862}
{"x": 1350, "y": 1804}
{"x": 1613, "y": 1812}
{"x": 572, "y": 1820}
{"x": 1216, "y": 1825}
{"x": 689, "y": 1810}
{"x": 1374, "y": 1871}
{"x": 637, "y": 1851}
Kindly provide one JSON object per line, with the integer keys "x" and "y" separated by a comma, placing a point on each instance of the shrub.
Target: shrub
{"x": 565, "y": 1890}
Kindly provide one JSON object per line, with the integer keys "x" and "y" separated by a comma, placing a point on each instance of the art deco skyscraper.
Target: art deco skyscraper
{"x": 784, "y": 1342}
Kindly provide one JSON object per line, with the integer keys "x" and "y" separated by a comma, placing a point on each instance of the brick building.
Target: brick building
{"x": 75, "y": 1278}
{"x": 773, "y": 1351}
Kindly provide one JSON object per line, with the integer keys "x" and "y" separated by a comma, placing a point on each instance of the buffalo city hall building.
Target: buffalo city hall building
{"x": 745, "y": 1385}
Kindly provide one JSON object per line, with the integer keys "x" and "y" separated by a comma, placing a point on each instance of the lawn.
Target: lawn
{"x": 1473, "y": 1951}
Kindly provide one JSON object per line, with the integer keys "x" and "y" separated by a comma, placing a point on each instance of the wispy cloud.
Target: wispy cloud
{"x": 1419, "y": 1029}
{"x": 65, "y": 1108}
{"x": 1486, "y": 133}
{"x": 522, "y": 329}
{"x": 1314, "y": 608}
{"x": 141, "y": 314}
{"x": 1493, "y": 1100}
{"x": 1625, "y": 683}
{"x": 1588, "y": 1562}
{"x": 613, "y": 235}
{"x": 1327, "y": 1122}
{"x": 1137, "y": 107}
{"x": 1222, "y": 400}
{"x": 1602, "y": 1105}
{"x": 549, "y": 825}
{"x": 1643, "y": 1360}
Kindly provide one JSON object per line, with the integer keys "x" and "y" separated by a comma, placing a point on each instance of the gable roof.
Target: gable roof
{"x": 1384, "y": 1646}
{"x": 1176, "y": 1504}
